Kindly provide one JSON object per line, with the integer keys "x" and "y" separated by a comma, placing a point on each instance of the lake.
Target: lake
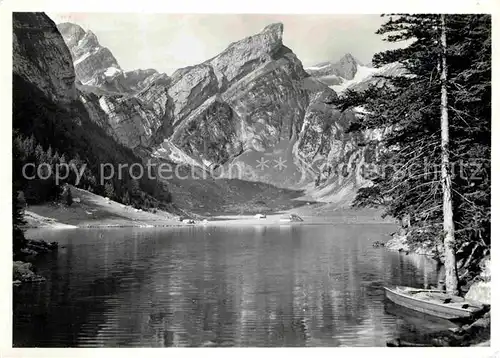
{"x": 257, "y": 286}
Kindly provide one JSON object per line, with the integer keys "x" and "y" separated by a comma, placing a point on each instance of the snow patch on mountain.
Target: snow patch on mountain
{"x": 82, "y": 58}
{"x": 315, "y": 68}
{"x": 169, "y": 151}
{"x": 362, "y": 72}
{"x": 111, "y": 71}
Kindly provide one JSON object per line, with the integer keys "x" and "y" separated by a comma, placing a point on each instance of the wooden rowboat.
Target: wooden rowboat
{"x": 434, "y": 302}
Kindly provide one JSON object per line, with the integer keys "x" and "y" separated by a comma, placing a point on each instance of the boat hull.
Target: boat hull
{"x": 429, "y": 307}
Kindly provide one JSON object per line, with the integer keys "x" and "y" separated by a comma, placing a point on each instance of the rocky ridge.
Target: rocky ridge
{"x": 96, "y": 67}
{"x": 252, "y": 101}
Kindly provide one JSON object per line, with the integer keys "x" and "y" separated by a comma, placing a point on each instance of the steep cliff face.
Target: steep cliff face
{"x": 250, "y": 102}
{"x": 134, "y": 121}
{"x": 44, "y": 60}
{"x": 91, "y": 60}
{"x": 257, "y": 79}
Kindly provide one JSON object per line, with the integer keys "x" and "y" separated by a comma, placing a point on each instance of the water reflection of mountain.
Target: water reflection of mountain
{"x": 262, "y": 286}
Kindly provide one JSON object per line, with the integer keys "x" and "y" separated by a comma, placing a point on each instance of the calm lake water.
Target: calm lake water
{"x": 309, "y": 285}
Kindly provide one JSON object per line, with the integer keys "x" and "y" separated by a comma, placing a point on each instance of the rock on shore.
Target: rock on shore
{"x": 399, "y": 242}
{"x": 480, "y": 290}
{"x": 24, "y": 272}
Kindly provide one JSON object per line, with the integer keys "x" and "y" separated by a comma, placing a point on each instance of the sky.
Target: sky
{"x": 167, "y": 42}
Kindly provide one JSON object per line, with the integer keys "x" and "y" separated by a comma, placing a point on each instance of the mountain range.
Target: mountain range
{"x": 349, "y": 73}
{"x": 253, "y": 103}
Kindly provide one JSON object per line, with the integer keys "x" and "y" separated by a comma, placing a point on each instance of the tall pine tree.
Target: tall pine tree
{"x": 439, "y": 122}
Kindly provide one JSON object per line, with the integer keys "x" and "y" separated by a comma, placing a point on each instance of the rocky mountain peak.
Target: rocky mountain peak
{"x": 92, "y": 62}
{"x": 335, "y": 73}
{"x": 90, "y": 40}
{"x": 71, "y": 33}
{"x": 346, "y": 67}
{"x": 276, "y": 29}
{"x": 239, "y": 59}
{"x": 97, "y": 69}
{"x": 348, "y": 57}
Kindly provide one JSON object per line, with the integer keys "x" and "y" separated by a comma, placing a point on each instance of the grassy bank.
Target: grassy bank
{"x": 90, "y": 210}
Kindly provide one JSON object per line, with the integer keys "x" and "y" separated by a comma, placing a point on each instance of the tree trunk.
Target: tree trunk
{"x": 448, "y": 225}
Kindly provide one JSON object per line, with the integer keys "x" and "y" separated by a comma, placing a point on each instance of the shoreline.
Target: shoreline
{"x": 93, "y": 211}
{"x": 221, "y": 220}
